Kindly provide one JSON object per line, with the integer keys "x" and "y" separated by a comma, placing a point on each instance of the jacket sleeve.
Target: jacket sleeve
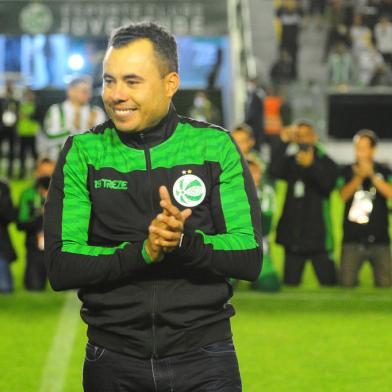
{"x": 279, "y": 159}
{"x": 236, "y": 250}
{"x": 28, "y": 220}
{"x": 70, "y": 260}
{"x": 323, "y": 173}
{"x": 7, "y": 210}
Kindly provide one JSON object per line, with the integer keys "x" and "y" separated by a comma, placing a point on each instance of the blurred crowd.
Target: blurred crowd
{"x": 295, "y": 157}
{"x": 304, "y": 227}
{"x": 358, "y": 39}
{"x": 278, "y": 149}
{"x": 24, "y": 137}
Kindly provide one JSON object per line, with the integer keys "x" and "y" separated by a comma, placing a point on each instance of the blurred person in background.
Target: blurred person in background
{"x": 316, "y": 10}
{"x": 289, "y": 16}
{"x": 243, "y": 136}
{"x": 365, "y": 187}
{"x": 30, "y": 220}
{"x": 383, "y": 37}
{"x": 360, "y": 35}
{"x": 340, "y": 66}
{"x": 7, "y": 252}
{"x": 203, "y": 109}
{"x": 254, "y": 110}
{"x": 70, "y": 117}
{"x": 304, "y": 226}
{"x": 9, "y": 110}
{"x": 371, "y": 69}
{"x": 28, "y": 128}
{"x": 280, "y": 73}
{"x": 268, "y": 279}
{"x": 277, "y": 110}
{"x": 336, "y": 17}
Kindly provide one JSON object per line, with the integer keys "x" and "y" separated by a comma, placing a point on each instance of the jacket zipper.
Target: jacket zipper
{"x": 148, "y": 167}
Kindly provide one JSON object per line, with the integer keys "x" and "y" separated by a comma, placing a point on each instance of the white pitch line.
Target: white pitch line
{"x": 58, "y": 357}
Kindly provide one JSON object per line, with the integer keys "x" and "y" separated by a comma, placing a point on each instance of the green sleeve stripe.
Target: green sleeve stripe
{"x": 390, "y": 179}
{"x": 340, "y": 182}
{"x": 24, "y": 211}
{"x": 228, "y": 241}
{"x": 145, "y": 255}
{"x": 71, "y": 247}
{"x": 77, "y": 207}
{"x": 329, "y": 243}
{"x": 235, "y": 204}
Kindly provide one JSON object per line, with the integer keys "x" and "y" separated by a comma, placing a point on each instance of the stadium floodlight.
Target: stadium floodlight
{"x": 76, "y": 62}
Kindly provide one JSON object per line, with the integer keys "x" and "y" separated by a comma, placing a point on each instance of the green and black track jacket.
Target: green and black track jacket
{"x": 102, "y": 198}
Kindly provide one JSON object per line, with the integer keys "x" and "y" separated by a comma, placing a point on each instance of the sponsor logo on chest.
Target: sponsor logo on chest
{"x": 111, "y": 184}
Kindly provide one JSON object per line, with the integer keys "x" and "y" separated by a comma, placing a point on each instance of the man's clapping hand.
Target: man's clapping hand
{"x": 165, "y": 231}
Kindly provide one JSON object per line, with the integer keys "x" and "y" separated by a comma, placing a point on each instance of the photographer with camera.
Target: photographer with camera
{"x": 304, "y": 226}
{"x": 365, "y": 187}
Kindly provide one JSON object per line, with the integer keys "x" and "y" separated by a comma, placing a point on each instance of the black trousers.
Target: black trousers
{"x": 212, "y": 368}
{"x": 35, "y": 272}
{"x": 27, "y": 145}
{"x": 295, "y": 263}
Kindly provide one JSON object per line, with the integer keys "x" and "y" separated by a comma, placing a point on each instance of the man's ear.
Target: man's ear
{"x": 172, "y": 81}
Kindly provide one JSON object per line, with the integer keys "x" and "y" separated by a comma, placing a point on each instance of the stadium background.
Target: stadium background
{"x": 304, "y": 339}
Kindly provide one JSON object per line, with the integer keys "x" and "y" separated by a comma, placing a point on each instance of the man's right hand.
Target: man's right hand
{"x": 165, "y": 231}
{"x": 363, "y": 169}
{"x": 289, "y": 134}
{"x": 154, "y": 250}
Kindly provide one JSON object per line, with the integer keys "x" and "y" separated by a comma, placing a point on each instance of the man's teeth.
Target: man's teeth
{"x": 123, "y": 111}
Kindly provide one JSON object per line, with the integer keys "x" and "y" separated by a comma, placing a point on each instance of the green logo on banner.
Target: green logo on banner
{"x": 36, "y": 18}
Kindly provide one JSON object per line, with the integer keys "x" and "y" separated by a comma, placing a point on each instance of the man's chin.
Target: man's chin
{"x": 124, "y": 127}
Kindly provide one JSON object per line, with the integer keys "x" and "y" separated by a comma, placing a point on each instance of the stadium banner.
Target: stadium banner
{"x": 86, "y": 18}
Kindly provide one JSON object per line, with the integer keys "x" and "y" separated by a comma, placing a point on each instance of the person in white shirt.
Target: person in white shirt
{"x": 70, "y": 117}
{"x": 360, "y": 35}
{"x": 383, "y": 36}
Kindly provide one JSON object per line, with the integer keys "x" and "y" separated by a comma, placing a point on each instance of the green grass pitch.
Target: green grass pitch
{"x": 299, "y": 340}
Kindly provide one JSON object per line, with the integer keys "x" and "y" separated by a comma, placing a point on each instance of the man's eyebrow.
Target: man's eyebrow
{"x": 132, "y": 76}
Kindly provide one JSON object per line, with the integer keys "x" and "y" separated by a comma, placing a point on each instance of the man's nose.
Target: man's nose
{"x": 118, "y": 92}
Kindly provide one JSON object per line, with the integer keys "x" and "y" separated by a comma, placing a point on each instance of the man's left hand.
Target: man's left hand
{"x": 173, "y": 220}
{"x": 366, "y": 168}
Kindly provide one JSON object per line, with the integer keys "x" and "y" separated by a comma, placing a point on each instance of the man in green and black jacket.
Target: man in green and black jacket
{"x": 149, "y": 215}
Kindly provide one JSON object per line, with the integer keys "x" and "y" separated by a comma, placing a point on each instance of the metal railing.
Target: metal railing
{"x": 243, "y": 64}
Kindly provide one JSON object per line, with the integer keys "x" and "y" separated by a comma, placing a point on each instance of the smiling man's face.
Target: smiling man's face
{"x": 135, "y": 92}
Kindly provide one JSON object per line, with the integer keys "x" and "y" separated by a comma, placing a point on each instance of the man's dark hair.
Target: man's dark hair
{"x": 369, "y": 134}
{"x": 164, "y": 43}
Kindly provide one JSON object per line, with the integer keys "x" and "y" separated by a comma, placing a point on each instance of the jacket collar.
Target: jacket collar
{"x": 153, "y": 136}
